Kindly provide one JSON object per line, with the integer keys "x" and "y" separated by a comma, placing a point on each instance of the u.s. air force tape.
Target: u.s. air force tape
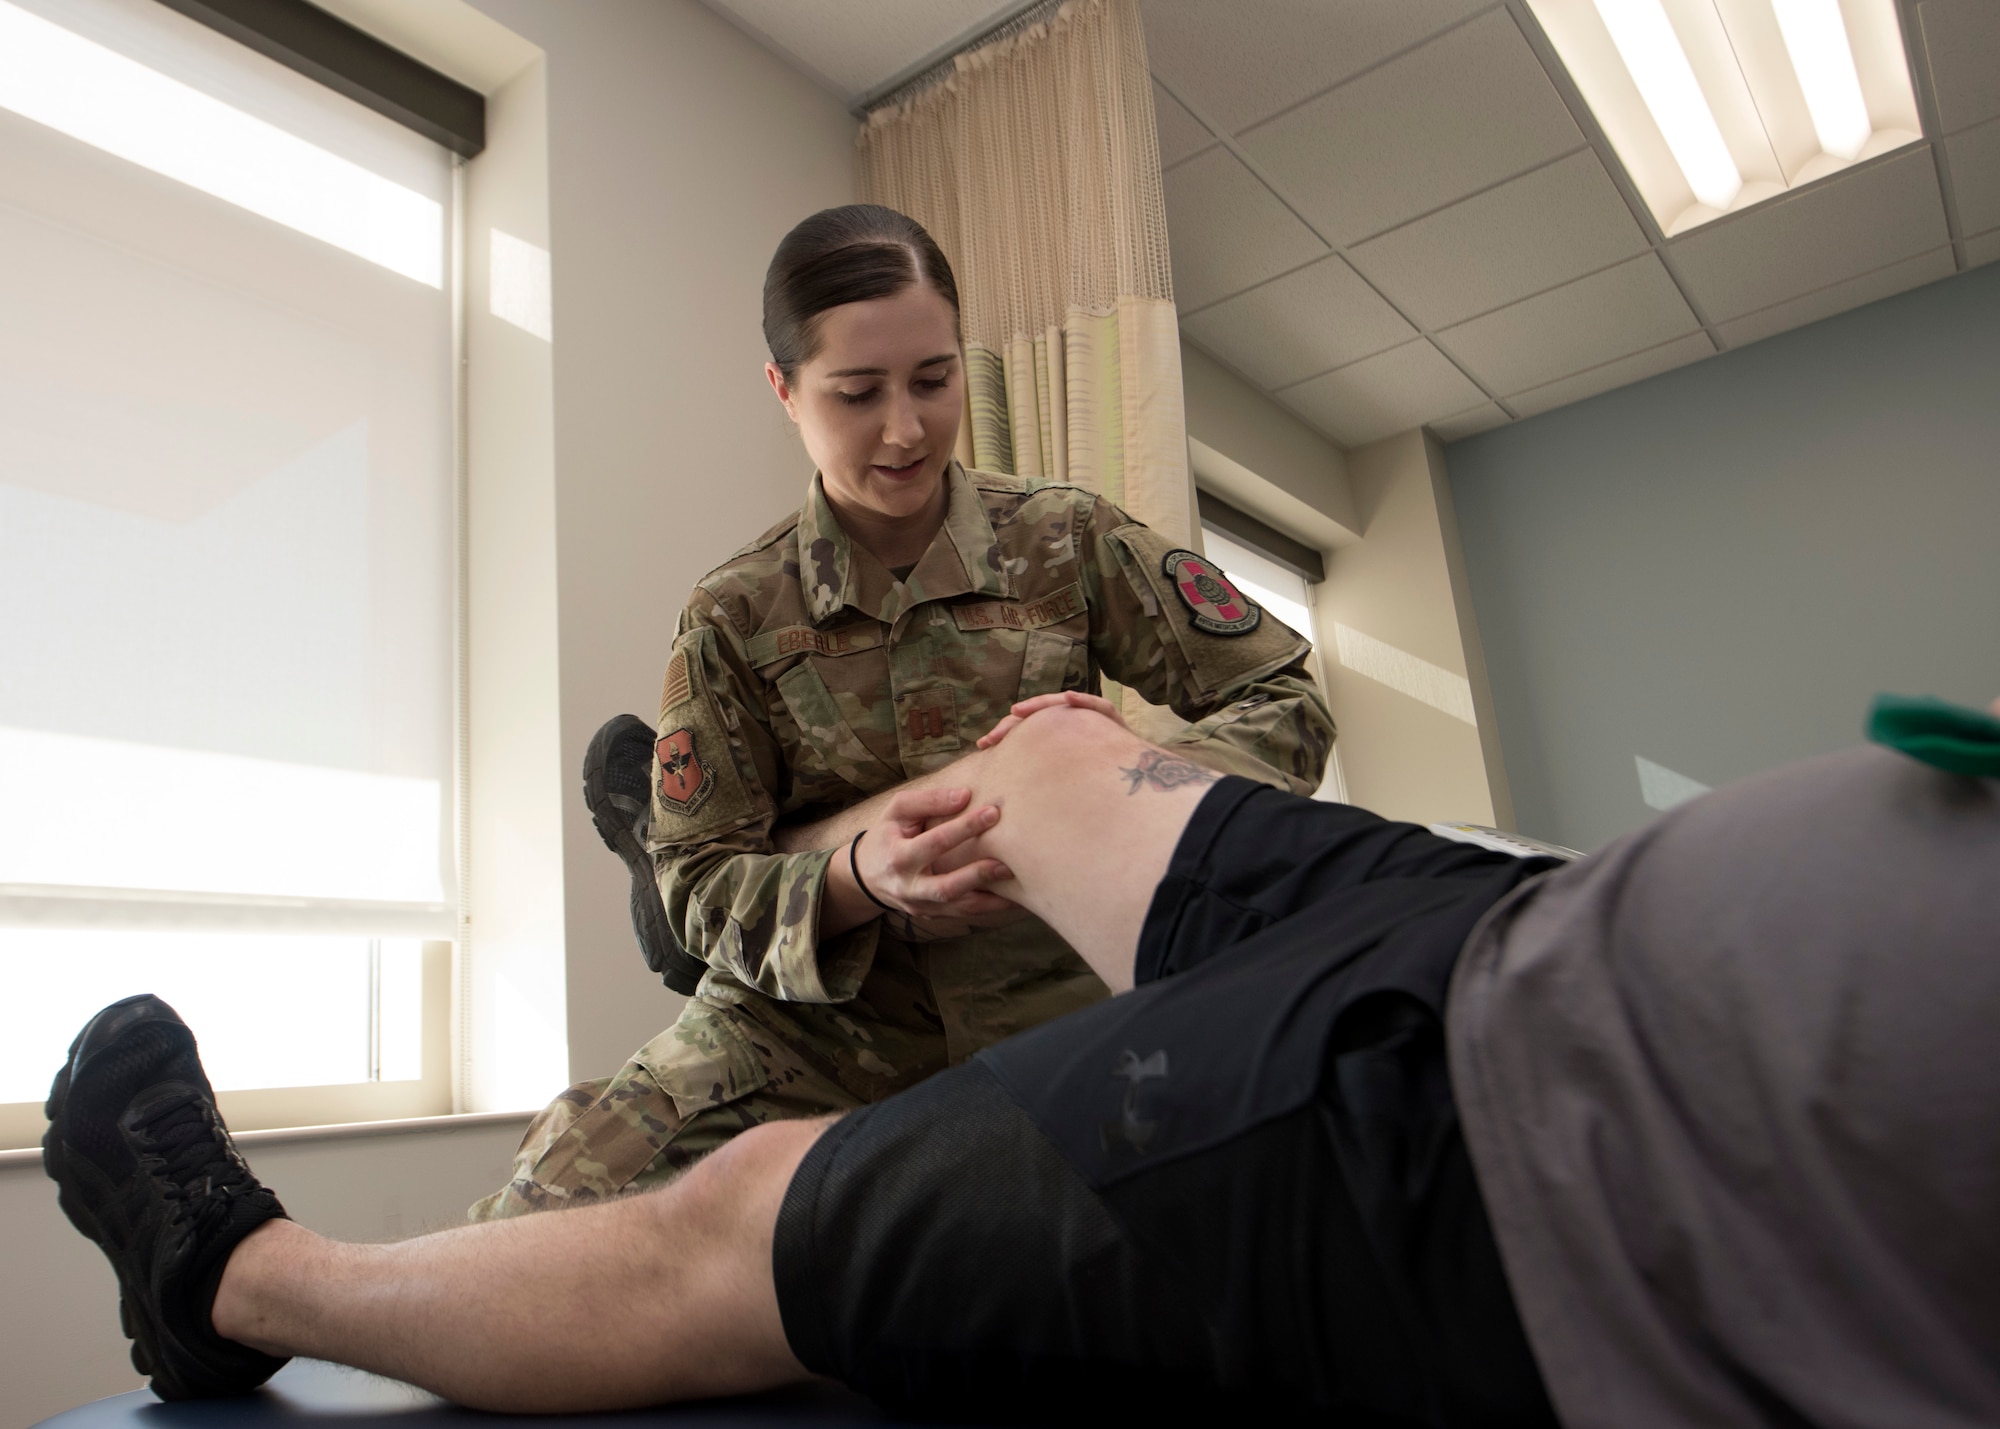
{"x": 1213, "y": 603}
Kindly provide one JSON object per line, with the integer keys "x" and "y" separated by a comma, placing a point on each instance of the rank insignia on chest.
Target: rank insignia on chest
{"x": 1213, "y": 603}
{"x": 684, "y": 783}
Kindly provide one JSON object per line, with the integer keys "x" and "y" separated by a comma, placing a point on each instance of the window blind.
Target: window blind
{"x": 225, "y": 490}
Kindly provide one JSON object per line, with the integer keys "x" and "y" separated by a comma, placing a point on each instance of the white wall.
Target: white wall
{"x": 1402, "y": 585}
{"x": 511, "y": 1032}
{"x": 679, "y": 154}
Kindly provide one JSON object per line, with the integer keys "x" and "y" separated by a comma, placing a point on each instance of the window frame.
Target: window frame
{"x": 265, "y": 1108}
{"x": 354, "y": 64}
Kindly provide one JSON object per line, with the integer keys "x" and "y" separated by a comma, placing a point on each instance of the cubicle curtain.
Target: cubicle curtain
{"x": 1036, "y": 165}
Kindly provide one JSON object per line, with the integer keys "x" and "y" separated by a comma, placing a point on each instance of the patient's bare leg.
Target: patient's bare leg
{"x": 660, "y": 1296}
{"x": 670, "y": 1295}
{"x": 1089, "y": 817}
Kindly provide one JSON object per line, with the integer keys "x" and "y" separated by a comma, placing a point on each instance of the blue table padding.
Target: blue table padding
{"x": 325, "y": 1396}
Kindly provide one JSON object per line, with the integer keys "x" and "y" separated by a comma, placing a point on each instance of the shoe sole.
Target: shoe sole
{"x": 105, "y": 1027}
{"x": 596, "y": 771}
{"x": 55, "y": 1161}
{"x": 683, "y": 971}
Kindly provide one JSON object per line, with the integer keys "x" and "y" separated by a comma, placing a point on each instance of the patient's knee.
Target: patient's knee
{"x": 1063, "y": 736}
{"x": 744, "y": 1181}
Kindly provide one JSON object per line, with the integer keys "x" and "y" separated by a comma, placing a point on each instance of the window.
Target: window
{"x": 226, "y": 564}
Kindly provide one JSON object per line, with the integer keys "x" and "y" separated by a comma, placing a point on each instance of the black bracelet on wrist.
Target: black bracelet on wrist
{"x": 854, "y": 868}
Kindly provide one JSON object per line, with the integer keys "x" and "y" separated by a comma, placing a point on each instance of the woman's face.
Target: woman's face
{"x": 878, "y": 406}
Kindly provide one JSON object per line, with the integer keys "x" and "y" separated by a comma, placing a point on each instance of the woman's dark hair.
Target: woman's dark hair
{"x": 844, "y": 255}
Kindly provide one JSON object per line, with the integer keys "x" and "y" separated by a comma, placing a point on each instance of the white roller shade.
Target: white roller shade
{"x": 225, "y": 488}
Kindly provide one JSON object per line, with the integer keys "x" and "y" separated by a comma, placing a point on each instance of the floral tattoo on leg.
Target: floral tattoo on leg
{"x": 1161, "y": 771}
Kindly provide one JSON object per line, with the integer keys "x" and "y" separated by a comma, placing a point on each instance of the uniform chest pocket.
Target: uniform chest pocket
{"x": 1052, "y": 661}
{"x": 831, "y": 739}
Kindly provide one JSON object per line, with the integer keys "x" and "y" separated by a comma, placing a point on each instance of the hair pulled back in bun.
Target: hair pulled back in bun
{"x": 844, "y": 255}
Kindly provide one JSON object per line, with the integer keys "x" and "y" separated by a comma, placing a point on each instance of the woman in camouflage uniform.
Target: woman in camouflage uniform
{"x": 869, "y": 640}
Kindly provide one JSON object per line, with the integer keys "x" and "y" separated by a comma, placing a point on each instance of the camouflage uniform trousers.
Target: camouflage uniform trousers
{"x": 735, "y": 1059}
{"x": 615, "y": 1136}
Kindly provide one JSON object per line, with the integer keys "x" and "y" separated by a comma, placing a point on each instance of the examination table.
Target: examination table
{"x": 324, "y": 1396}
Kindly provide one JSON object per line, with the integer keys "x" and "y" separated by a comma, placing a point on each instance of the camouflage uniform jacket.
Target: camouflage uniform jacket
{"x": 805, "y": 678}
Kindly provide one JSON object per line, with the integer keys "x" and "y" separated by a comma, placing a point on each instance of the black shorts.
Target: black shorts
{"x": 1243, "y": 1180}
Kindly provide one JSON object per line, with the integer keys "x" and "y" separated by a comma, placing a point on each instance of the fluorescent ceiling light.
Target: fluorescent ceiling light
{"x": 1816, "y": 39}
{"x": 1715, "y": 105}
{"x": 116, "y": 104}
{"x": 1659, "y": 66}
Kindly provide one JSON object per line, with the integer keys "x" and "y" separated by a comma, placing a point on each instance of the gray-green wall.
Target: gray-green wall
{"x": 1716, "y": 569}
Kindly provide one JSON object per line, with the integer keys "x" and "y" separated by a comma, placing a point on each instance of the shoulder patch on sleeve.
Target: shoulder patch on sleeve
{"x": 684, "y": 782}
{"x": 1213, "y": 603}
{"x": 1226, "y": 638}
{"x": 698, "y": 786}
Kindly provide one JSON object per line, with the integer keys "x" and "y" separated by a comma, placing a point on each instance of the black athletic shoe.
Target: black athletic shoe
{"x": 618, "y": 788}
{"x": 146, "y": 1169}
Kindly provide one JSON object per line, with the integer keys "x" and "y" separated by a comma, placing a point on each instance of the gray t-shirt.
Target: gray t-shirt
{"x": 1732, "y": 1089}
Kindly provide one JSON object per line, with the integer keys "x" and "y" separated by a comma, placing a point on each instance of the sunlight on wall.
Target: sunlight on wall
{"x": 1662, "y": 788}
{"x": 1405, "y": 673}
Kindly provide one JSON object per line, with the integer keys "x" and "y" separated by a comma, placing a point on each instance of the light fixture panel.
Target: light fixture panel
{"x": 1795, "y": 90}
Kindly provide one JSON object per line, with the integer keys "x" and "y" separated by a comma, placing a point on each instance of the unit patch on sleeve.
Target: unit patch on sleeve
{"x": 1213, "y": 603}
{"x": 684, "y": 782}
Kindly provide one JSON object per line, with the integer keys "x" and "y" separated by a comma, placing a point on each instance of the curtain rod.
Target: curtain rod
{"x": 939, "y": 63}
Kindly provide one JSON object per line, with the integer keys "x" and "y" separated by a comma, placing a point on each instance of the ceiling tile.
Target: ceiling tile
{"x": 1242, "y": 63}
{"x": 1853, "y": 223}
{"x": 1226, "y": 231}
{"x": 1461, "y": 113}
{"x": 1293, "y": 327}
{"x": 1650, "y": 363}
{"x": 1181, "y": 134}
{"x": 1782, "y": 317}
{"x": 1983, "y": 249}
{"x": 1974, "y": 160}
{"x": 1528, "y": 234}
{"x": 853, "y": 57}
{"x": 1483, "y": 418}
{"x": 1582, "y": 324}
{"x": 1379, "y": 396}
{"x": 1962, "y": 44}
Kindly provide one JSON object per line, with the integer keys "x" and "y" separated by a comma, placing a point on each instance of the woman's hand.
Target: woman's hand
{"x": 922, "y": 859}
{"x": 1075, "y": 699}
